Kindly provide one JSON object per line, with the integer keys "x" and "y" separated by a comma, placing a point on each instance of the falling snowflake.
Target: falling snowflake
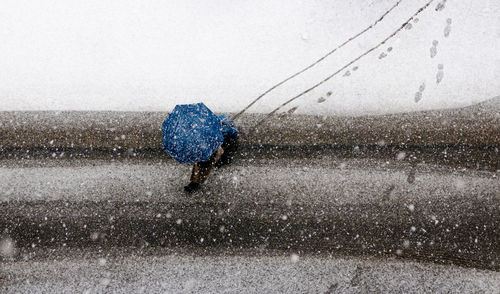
{"x": 7, "y": 247}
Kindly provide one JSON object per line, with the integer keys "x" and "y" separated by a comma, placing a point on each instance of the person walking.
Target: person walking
{"x": 192, "y": 133}
{"x": 222, "y": 156}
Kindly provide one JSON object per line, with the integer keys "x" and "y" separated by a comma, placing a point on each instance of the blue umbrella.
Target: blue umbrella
{"x": 191, "y": 133}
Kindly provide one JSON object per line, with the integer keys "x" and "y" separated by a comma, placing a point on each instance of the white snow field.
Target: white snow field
{"x": 151, "y": 55}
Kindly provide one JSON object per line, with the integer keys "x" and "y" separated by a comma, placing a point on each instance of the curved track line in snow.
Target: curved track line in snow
{"x": 317, "y": 61}
{"x": 348, "y": 64}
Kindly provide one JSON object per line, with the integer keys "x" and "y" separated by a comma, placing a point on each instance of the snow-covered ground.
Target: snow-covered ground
{"x": 151, "y": 55}
{"x": 164, "y": 271}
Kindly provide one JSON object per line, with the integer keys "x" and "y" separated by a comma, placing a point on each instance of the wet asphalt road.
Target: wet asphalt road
{"x": 90, "y": 204}
{"x": 325, "y": 203}
{"x": 477, "y": 125}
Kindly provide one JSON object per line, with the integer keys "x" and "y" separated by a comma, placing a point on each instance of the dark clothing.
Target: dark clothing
{"x": 230, "y": 146}
{"x": 222, "y": 156}
{"x": 201, "y": 170}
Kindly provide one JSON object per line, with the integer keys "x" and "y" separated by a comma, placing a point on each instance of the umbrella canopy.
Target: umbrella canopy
{"x": 191, "y": 133}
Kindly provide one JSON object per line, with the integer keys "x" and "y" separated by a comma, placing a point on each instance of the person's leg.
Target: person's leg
{"x": 201, "y": 170}
{"x": 230, "y": 147}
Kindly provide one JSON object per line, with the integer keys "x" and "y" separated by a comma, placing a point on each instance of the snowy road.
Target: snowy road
{"x": 409, "y": 191}
{"x": 323, "y": 203}
{"x": 244, "y": 271}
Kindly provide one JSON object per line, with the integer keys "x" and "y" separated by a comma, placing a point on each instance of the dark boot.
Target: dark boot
{"x": 191, "y": 187}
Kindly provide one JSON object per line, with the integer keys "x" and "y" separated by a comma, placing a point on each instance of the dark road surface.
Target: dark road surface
{"x": 391, "y": 203}
{"x": 328, "y": 204}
